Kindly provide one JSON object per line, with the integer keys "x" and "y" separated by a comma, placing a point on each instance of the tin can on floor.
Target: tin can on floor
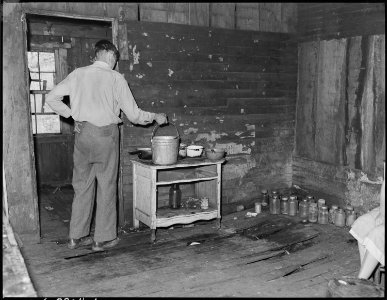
{"x": 258, "y": 207}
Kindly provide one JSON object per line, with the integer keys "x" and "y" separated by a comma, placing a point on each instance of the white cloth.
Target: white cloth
{"x": 369, "y": 230}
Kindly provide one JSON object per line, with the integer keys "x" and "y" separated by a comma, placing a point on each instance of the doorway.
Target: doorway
{"x": 56, "y": 45}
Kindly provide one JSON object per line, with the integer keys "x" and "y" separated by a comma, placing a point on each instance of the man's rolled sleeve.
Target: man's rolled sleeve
{"x": 129, "y": 106}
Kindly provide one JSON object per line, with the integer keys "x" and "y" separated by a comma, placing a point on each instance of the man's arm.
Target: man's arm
{"x": 129, "y": 106}
{"x": 55, "y": 96}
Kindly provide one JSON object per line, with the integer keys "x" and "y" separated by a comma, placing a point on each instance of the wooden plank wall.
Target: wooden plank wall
{"x": 18, "y": 142}
{"x": 340, "y": 131}
{"x": 272, "y": 17}
{"x": 338, "y": 20}
{"x": 221, "y": 87}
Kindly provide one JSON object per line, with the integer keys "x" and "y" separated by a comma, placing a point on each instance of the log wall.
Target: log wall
{"x": 340, "y": 131}
{"x": 221, "y": 87}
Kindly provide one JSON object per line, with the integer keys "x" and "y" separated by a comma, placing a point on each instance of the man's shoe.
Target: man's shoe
{"x": 75, "y": 243}
{"x": 100, "y": 246}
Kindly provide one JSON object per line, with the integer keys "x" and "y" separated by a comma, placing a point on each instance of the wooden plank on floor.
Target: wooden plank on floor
{"x": 224, "y": 263}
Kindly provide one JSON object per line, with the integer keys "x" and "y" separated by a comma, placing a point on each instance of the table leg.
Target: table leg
{"x": 218, "y": 225}
{"x": 153, "y": 235}
{"x": 136, "y": 223}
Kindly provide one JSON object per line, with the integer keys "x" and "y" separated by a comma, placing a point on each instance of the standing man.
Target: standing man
{"x": 97, "y": 93}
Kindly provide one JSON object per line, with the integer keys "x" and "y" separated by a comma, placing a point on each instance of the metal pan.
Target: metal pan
{"x": 143, "y": 153}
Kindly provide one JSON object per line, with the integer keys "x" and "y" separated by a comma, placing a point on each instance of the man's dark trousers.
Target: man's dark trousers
{"x": 96, "y": 153}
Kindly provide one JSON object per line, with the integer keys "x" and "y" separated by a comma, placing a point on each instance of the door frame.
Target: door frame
{"x": 114, "y": 22}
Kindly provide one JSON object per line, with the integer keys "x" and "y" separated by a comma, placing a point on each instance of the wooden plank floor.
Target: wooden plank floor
{"x": 263, "y": 256}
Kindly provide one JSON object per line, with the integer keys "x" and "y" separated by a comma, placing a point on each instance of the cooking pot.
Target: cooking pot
{"x": 143, "y": 153}
{"x": 194, "y": 150}
{"x": 215, "y": 153}
{"x": 165, "y": 149}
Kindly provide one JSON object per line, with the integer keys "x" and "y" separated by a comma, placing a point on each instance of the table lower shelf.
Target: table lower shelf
{"x": 166, "y": 217}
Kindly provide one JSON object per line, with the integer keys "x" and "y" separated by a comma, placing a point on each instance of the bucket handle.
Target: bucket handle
{"x": 157, "y": 127}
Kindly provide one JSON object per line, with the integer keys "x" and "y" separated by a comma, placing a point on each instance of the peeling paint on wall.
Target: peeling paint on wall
{"x": 190, "y": 130}
{"x": 211, "y": 137}
{"x": 136, "y": 56}
{"x": 220, "y": 119}
{"x": 234, "y": 148}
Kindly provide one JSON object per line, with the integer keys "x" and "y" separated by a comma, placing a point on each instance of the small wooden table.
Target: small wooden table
{"x": 147, "y": 177}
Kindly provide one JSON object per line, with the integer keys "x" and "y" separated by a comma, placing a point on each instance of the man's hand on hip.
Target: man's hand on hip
{"x": 77, "y": 126}
{"x": 161, "y": 118}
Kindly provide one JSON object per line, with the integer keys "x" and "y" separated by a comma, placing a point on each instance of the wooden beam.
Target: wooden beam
{"x": 330, "y": 121}
{"x": 19, "y": 161}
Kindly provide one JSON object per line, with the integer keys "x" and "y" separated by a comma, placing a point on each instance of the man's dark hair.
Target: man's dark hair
{"x": 108, "y": 46}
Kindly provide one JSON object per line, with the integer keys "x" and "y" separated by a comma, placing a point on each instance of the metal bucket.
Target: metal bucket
{"x": 165, "y": 149}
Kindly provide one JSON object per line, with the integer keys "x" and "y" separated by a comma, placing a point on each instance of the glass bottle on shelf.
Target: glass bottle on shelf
{"x": 320, "y": 203}
{"x": 351, "y": 217}
{"x": 323, "y": 215}
{"x": 303, "y": 210}
{"x": 265, "y": 198}
{"x": 174, "y": 196}
{"x": 284, "y": 205}
{"x": 348, "y": 209}
{"x": 293, "y": 205}
{"x": 340, "y": 218}
{"x": 274, "y": 205}
{"x": 313, "y": 211}
{"x": 332, "y": 214}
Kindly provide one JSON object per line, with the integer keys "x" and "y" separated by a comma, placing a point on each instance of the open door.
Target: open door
{"x": 56, "y": 45}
